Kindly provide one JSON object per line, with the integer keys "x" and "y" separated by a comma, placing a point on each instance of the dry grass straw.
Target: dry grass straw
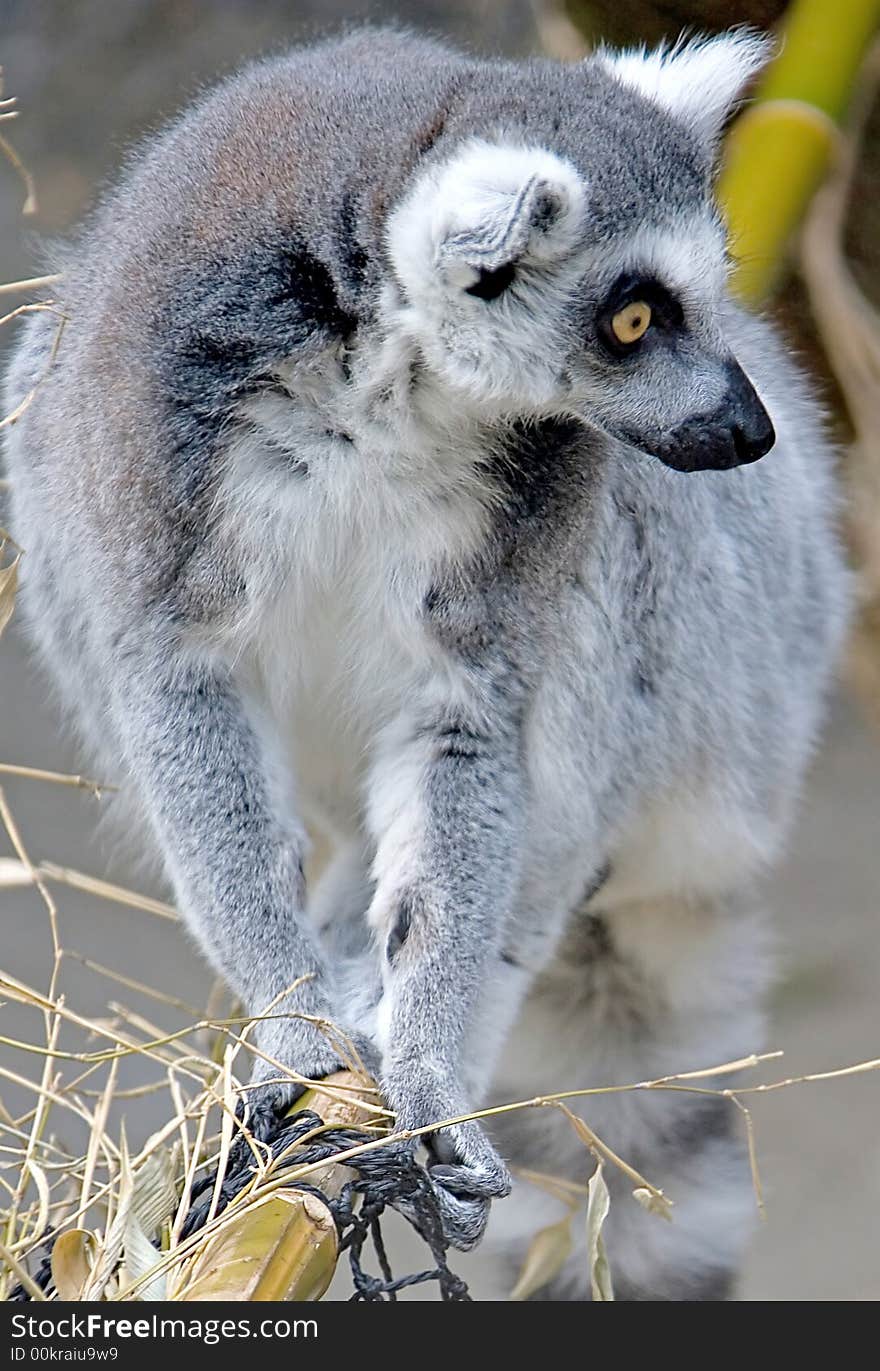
{"x": 8, "y": 112}
{"x": 114, "y": 1202}
{"x": 66, "y": 1164}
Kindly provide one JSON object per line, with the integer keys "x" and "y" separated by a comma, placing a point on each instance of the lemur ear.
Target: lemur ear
{"x": 490, "y": 208}
{"x": 698, "y": 80}
{"x": 509, "y": 206}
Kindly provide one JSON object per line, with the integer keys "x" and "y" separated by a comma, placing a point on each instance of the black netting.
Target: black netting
{"x": 389, "y": 1176}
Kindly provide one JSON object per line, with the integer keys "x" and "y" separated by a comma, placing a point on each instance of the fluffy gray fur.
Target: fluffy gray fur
{"x": 342, "y": 512}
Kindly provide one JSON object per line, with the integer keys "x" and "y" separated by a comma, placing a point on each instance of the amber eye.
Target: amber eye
{"x": 632, "y": 322}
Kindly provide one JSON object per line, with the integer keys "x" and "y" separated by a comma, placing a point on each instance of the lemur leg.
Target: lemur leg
{"x": 636, "y": 993}
{"x": 233, "y": 851}
{"x": 446, "y": 808}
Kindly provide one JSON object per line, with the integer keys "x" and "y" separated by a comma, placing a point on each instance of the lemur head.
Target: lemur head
{"x": 568, "y": 257}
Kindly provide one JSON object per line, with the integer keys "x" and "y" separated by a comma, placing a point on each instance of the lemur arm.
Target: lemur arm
{"x": 448, "y": 798}
{"x": 197, "y": 751}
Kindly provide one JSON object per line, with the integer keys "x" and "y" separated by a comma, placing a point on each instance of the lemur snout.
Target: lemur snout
{"x": 752, "y": 431}
{"x": 739, "y": 431}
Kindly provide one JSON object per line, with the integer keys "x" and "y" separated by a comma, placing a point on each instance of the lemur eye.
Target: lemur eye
{"x": 632, "y": 322}
{"x": 491, "y": 284}
{"x": 636, "y": 305}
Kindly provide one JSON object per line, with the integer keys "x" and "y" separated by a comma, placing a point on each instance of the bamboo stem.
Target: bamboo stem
{"x": 283, "y": 1246}
{"x": 778, "y": 152}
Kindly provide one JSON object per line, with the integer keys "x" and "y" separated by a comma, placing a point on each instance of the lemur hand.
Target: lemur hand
{"x": 465, "y": 1170}
{"x": 307, "y": 1051}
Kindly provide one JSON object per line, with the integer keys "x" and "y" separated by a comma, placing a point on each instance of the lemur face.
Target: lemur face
{"x": 655, "y": 370}
{"x": 527, "y": 294}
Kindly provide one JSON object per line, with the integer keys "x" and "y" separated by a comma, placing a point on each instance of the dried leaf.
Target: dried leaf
{"x": 8, "y": 587}
{"x": 153, "y": 1200}
{"x": 654, "y": 1203}
{"x": 73, "y": 1256}
{"x": 598, "y": 1204}
{"x": 548, "y": 1252}
{"x": 153, "y": 1195}
{"x": 146, "y": 1199}
{"x": 140, "y": 1258}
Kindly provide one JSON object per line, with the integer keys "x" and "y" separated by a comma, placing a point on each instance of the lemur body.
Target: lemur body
{"x": 343, "y": 508}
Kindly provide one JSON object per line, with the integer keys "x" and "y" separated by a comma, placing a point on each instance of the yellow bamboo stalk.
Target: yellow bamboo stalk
{"x": 283, "y": 1246}
{"x": 823, "y": 46}
{"x": 779, "y": 150}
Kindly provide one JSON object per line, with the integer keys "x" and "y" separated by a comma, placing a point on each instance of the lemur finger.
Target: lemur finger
{"x": 466, "y": 1182}
{"x": 464, "y": 1221}
{"x": 261, "y": 1110}
{"x": 463, "y": 1159}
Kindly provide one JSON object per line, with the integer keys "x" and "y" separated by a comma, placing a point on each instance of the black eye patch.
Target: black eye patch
{"x": 491, "y": 284}
{"x": 666, "y": 313}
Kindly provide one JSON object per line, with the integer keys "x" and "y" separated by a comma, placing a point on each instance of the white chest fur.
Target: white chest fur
{"x": 357, "y": 518}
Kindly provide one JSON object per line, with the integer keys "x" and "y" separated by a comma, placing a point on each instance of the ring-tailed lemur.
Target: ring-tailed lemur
{"x": 395, "y": 477}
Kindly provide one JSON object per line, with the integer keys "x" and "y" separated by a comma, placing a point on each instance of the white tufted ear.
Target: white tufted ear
{"x": 492, "y": 206}
{"x": 488, "y": 251}
{"x": 699, "y": 80}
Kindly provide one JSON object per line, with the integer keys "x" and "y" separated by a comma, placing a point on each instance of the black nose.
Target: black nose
{"x": 752, "y": 433}
{"x": 737, "y": 432}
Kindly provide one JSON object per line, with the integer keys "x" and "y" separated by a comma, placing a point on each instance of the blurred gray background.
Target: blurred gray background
{"x": 92, "y": 75}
